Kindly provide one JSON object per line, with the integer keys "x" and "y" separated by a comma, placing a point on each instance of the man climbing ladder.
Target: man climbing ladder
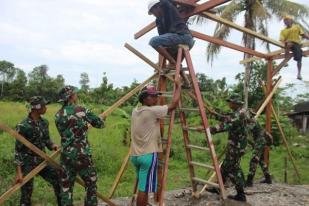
{"x": 172, "y": 31}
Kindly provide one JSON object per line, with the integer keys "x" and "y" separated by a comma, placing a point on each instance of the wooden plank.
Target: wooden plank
{"x": 26, "y": 178}
{"x": 281, "y": 56}
{"x": 268, "y": 98}
{"x": 145, "y": 59}
{"x": 140, "y": 55}
{"x": 227, "y": 44}
{"x": 119, "y": 175}
{"x": 202, "y": 7}
{"x": 50, "y": 161}
{"x": 281, "y": 65}
{"x": 127, "y": 96}
{"x": 242, "y": 29}
{"x": 206, "y": 6}
{"x": 278, "y": 54}
{"x": 285, "y": 142}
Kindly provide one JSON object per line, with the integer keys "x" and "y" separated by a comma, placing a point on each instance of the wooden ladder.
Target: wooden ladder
{"x": 183, "y": 53}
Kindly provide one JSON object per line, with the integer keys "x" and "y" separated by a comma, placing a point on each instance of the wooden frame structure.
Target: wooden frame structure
{"x": 203, "y": 9}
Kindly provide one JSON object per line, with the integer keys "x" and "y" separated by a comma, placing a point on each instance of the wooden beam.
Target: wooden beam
{"x": 227, "y": 44}
{"x": 145, "y": 59}
{"x": 119, "y": 175}
{"x": 127, "y": 96}
{"x": 278, "y": 54}
{"x": 268, "y": 98}
{"x": 282, "y": 56}
{"x": 285, "y": 142}
{"x": 242, "y": 29}
{"x": 202, "y": 7}
{"x": 206, "y": 6}
{"x": 50, "y": 161}
{"x": 282, "y": 64}
{"x": 140, "y": 55}
{"x": 26, "y": 178}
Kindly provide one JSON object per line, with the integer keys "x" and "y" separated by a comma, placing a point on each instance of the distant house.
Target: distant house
{"x": 300, "y": 116}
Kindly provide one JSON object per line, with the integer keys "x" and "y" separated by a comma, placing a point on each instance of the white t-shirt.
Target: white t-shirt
{"x": 145, "y": 129}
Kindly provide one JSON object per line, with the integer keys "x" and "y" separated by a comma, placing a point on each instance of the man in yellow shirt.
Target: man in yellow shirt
{"x": 290, "y": 36}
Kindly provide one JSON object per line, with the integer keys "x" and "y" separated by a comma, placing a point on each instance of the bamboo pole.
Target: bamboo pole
{"x": 145, "y": 59}
{"x": 50, "y": 161}
{"x": 119, "y": 175}
{"x": 262, "y": 107}
{"x": 26, "y": 178}
{"x": 127, "y": 96}
{"x": 285, "y": 142}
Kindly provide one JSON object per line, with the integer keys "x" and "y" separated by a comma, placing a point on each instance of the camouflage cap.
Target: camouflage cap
{"x": 235, "y": 98}
{"x": 66, "y": 92}
{"x": 37, "y": 102}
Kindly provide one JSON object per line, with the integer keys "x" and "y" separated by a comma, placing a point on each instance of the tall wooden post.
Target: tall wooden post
{"x": 268, "y": 107}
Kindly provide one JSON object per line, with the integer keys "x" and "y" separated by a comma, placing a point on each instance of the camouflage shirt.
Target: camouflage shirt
{"x": 236, "y": 125}
{"x": 36, "y": 132}
{"x": 72, "y": 124}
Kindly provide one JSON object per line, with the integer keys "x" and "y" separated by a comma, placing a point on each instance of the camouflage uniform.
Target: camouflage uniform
{"x": 259, "y": 143}
{"x": 36, "y": 132}
{"x": 236, "y": 126}
{"x": 72, "y": 124}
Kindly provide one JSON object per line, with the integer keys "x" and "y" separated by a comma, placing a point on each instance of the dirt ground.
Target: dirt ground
{"x": 276, "y": 194}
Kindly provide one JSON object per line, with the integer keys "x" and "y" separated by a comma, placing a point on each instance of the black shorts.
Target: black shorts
{"x": 297, "y": 52}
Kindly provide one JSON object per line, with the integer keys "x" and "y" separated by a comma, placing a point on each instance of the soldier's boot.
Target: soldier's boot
{"x": 267, "y": 179}
{"x": 249, "y": 182}
{"x": 240, "y": 196}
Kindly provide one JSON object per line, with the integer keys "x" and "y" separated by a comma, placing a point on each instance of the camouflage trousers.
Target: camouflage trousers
{"x": 258, "y": 158}
{"x": 48, "y": 173}
{"x": 82, "y": 165}
{"x": 231, "y": 169}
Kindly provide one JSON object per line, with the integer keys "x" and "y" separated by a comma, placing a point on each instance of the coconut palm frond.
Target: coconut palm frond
{"x": 262, "y": 27}
{"x": 222, "y": 32}
{"x": 258, "y": 11}
{"x": 198, "y": 19}
{"x": 284, "y": 7}
{"x": 230, "y": 13}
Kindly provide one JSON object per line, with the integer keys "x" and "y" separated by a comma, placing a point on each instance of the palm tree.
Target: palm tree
{"x": 257, "y": 13}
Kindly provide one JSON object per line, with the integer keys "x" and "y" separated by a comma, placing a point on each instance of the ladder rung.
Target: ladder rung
{"x": 164, "y": 140}
{"x": 197, "y": 147}
{"x": 202, "y": 165}
{"x": 193, "y": 129}
{"x": 196, "y": 179}
{"x": 166, "y": 94}
{"x": 189, "y": 109}
{"x": 171, "y": 72}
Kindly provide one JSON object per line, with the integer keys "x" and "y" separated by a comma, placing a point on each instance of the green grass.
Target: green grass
{"x": 109, "y": 152}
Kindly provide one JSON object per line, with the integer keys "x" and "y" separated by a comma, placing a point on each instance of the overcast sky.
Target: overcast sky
{"x": 75, "y": 36}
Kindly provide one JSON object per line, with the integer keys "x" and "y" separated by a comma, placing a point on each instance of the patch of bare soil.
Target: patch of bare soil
{"x": 276, "y": 194}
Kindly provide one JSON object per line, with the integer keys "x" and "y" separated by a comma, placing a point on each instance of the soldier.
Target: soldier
{"x": 72, "y": 124}
{"x": 146, "y": 140}
{"x": 236, "y": 125}
{"x": 35, "y": 129}
{"x": 261, "y": 138}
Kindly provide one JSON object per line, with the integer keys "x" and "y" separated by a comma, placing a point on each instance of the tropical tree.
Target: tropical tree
{"x": 84, "y": 81}
{"x": 7, "y": 71}
{"x": 257, "y": 14}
